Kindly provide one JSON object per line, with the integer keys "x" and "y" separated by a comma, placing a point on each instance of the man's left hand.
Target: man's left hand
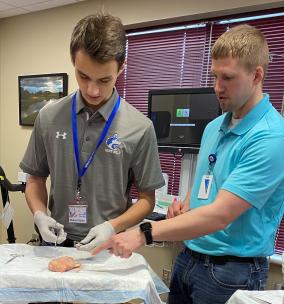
{"x": 96, "y": 236}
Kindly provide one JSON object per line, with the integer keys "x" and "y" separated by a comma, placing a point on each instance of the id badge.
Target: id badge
{"x": 78, "y": 211}
{"x": 205, "y": 186}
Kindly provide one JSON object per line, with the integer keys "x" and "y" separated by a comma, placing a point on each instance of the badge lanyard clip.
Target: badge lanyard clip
{"x": 206, "y": 180}
{"x": 78, "y": 191}
{"x": 212, "y": 160}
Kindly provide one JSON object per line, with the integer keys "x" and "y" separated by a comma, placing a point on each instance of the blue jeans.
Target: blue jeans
{"x": 198, "y": 281}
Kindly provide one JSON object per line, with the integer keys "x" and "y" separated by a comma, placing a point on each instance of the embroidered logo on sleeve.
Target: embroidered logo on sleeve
{"x": 113, "y": 143}
{"x": 61, "y": 135}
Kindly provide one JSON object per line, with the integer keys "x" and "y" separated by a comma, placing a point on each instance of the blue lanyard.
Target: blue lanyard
{"x": 108, "y": 123}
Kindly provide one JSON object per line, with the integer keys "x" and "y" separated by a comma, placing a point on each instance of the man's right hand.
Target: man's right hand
{"x": 175, "y": 209}
{"x": 50, "y": 230}
{"x": 179, "y": 207}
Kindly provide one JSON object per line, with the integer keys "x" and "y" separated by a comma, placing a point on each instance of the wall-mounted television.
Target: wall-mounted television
{"x": 180, "y": 116}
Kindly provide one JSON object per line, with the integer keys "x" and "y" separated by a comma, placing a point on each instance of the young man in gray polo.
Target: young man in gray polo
{"x": 94, "y": 146}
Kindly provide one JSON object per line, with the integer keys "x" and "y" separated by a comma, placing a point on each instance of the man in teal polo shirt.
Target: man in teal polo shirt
{"x": 237, "y": 200}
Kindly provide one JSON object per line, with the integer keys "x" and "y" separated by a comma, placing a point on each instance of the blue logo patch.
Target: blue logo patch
{"x": 113, "y": 144}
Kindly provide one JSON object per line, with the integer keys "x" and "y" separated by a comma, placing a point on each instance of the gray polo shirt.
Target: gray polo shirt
{"x": 127, "y": 155}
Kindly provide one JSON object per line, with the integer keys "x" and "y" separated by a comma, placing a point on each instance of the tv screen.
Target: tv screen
{"x": 180, "y": 116}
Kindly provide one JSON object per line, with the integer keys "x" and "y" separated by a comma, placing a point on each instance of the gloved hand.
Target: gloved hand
{"x": 96, "y": 236}
{"x": 50, "y": 230}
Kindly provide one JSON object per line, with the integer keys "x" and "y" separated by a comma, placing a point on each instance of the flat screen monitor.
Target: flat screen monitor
{"x": 180, "y": 116}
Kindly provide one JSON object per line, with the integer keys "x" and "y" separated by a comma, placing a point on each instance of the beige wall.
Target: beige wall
{"x": 37, "y": 43}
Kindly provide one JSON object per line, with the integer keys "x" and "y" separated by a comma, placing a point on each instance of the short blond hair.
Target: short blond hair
{"x": 245, "y": 43}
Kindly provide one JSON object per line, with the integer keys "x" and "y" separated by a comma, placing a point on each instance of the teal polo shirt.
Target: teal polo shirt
{"x": 249, "y": 164}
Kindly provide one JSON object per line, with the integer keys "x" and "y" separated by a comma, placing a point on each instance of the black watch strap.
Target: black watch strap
{"x": 146, "y": 228}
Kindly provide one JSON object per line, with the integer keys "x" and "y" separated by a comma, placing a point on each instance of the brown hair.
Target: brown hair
{"x": 101, "y": 36}
{"x": 246, "y": 43}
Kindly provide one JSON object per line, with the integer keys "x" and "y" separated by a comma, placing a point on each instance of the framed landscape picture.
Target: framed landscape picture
{"x": 35, "y": 91}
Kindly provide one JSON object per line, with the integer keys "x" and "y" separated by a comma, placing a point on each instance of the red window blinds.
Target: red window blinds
{"x": 162, "y": 60}
{"x": 154, "y": 61}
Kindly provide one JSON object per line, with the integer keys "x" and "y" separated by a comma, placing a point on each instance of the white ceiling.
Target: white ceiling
{"x": 10, "y": 8}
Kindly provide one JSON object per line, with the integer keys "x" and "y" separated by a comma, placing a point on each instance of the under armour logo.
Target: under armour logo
{"x": 63, "y": 135}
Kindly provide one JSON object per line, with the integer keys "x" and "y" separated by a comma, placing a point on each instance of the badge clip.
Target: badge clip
{"x": 78, "y": 191}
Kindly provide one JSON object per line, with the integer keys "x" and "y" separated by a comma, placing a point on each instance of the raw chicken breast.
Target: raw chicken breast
{"x": 62, "y": 264}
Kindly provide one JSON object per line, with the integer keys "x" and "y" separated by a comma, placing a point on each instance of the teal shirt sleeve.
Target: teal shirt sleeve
{"x": 260, "y": 170}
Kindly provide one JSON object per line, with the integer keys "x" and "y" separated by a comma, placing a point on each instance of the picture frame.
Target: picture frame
{"x": 35, "y": 91}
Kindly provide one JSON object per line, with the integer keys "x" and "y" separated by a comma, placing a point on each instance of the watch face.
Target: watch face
{"x": 146, "y": 226}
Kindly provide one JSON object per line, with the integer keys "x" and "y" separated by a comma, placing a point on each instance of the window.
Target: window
{"x": 160, "y": 59}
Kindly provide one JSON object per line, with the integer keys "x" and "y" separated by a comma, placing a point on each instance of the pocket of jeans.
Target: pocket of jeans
{"x": 231, "y": 275}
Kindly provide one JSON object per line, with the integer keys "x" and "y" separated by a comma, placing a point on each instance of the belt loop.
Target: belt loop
{"x": 207, "y": 260}
{"x": 256, "y": 263}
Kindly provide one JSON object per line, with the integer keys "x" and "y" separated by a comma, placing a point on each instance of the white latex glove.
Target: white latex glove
{"x": 50, "y": 230}
{"x": 96, "y": 236}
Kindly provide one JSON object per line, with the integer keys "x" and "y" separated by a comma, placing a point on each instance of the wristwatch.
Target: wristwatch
{"x": 146, "y": 228}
